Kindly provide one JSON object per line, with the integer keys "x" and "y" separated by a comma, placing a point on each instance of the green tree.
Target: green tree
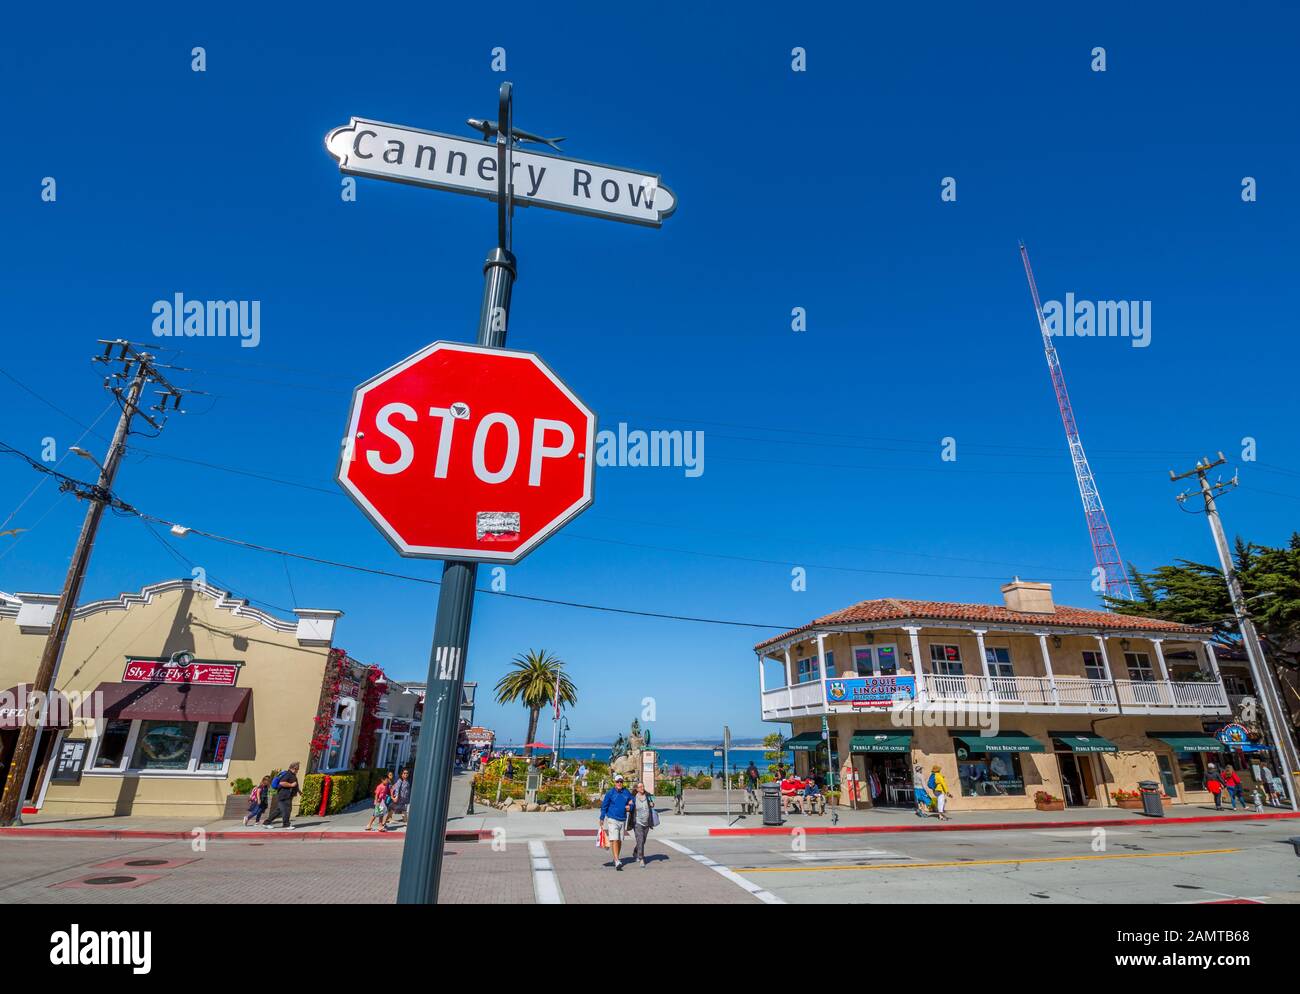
{"x": 772, "y": 750}
{"x": 1197, "y": 594}
{"x": 532, "y": 683}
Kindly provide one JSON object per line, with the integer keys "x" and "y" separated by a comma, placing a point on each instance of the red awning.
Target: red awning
{"x": 17, "y": 701}
{"x": 173, "y": 702}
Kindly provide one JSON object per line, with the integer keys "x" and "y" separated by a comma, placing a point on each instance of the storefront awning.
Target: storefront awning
{"x": 1083, "y": 742}
{"x": 880, "y": 742}
{"x": 173, "y": 702}
{"x": 805, "y": 742}
{"x": 17, "y": 702}
{"x": 1188, "y": 741}
{"x": 1006, "y": 742}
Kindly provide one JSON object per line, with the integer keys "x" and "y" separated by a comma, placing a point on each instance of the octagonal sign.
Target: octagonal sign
{"x": 465, "y": 452}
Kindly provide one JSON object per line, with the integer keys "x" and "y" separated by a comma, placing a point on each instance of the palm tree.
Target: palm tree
{"x": 532, "y": 682}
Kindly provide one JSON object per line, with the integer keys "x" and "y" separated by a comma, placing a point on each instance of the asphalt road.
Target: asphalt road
{"x": 1138, "y": 865}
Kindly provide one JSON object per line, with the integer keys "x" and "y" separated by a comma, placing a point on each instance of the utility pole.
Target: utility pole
{"x": 1274, "y": 714}
{"x": 140, "y": 369}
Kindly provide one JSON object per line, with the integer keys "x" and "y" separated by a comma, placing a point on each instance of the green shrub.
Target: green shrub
{"x": 242, "y": 786}
{"x": 703, "y": 783}
{"x": 309, "y": 799}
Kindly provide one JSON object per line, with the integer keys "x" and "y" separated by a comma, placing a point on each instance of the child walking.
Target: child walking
{"x": 257, "y": 802}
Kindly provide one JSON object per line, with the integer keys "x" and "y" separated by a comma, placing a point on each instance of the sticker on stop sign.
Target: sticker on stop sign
{"x": 464, "y": 452}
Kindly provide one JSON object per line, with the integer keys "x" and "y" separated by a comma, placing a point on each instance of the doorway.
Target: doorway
{"x": 886, "y": 779}
{"x": 1078, "y": 781}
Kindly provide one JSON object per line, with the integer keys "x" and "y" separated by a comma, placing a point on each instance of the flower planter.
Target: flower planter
{"x": 1050, "y": 805}
{"x": 1129, "y": 803}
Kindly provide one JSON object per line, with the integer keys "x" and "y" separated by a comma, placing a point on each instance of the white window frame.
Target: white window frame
{"x": 1148, "y": 671}
{"x": 191, "y": 771}
{"x": 1099, "y": 666}
{"x": 348, "y": 727}
{"x": 935, "y": 664}
{"x": 995, "y": 665}
{"x": 874, "y": 650}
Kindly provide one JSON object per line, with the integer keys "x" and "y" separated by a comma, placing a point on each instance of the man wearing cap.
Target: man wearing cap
{"x": 613, "y": 816}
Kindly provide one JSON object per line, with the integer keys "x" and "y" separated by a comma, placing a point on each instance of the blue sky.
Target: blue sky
{"x": 818, "y": 189}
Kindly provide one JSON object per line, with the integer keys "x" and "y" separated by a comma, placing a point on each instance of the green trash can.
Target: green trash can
{"x": 1151, "y": 803}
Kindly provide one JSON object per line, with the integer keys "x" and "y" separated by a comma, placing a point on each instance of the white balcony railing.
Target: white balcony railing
{"x": 1032, "y": 693}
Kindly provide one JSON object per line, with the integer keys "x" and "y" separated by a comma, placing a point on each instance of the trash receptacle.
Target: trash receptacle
{"x": 771, "y": 804}
{"x": 1151, "y": 803}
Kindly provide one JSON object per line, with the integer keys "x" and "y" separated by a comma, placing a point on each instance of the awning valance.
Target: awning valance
{"x": 172, "y": 702}
{"x": 1006, "y": 742}
{"x": 17, "y": 703}
{"x": 1188, "y": 741}
{"x": 805, "y": 742}
{"x": 881, "y": 742}
{"x": 1084, "y": 742}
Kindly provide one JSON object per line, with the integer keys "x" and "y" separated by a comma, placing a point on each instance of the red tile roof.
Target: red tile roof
{"x": 894, "y": 609}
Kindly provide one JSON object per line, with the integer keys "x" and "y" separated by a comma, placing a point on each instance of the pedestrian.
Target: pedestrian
{"x": 1214, "y": 784}
{"x": 581, "y": 775}
{"x": 642, "y": 817}
{"x": 381, "y": 802}
{"x": 285, "y": 786}
{"x": 1236, "y": 789}
{"x": 257, "y": 802}
{"x": 941, "y": 793}
{"x": 920, "y": 795}
{"x": 613, "y": 816}
{"x": 1273, "y": 784}
{"x": 510, "y": 768}
{"x": 400, "y": 796}
{"x": 751, "y": 785}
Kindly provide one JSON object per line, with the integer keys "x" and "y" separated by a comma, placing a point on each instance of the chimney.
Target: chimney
{"x": 1031, "y": 598}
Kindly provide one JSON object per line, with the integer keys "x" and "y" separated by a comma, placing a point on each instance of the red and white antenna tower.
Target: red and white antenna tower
{"x": 1104, "y": 549}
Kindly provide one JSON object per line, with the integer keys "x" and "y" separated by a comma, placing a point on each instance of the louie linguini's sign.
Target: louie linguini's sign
{"x": 463, "y": 165}
{"x": 871, "y": 691}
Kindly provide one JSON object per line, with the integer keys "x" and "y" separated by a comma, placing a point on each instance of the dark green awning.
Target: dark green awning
{"x": 1188, "y": 741}
{"x": 805, "y": 742}
{"x": 1078, "y": 742}
{"x": 880, "y": 742}
{"x": 1006, "y": 742}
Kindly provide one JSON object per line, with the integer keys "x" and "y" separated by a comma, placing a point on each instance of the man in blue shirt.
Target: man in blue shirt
{"x": 613, "y": 816}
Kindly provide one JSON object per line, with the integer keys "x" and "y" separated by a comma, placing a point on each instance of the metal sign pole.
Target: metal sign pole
{"x": 431, "y": 792}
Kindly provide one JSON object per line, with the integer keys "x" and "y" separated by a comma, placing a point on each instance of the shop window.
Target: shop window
{"x": 830, "y": 664}
{"x": 1093, "y": 666}
{"x": 164, "y": 745}
{"x": 215, "y": 753}
{"x": 862, "y": 661}
{"x": 945, "y": 660}
{"x": 805, "y": 670}
{"x": 1237, "y": 686}
{"x": 999, "y": 660}
{"x": 997, "y": 775}
{"x": 1191, "y": 770}
{"x": 112, "y": 744}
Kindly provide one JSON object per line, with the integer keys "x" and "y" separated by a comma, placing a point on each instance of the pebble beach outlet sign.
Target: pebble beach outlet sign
{"x": 463, "y": 165}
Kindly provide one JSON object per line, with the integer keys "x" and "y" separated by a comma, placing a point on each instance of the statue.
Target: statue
{"x": 626, "y": 756}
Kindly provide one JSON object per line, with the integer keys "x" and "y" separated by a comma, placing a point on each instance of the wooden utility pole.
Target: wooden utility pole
{"x": 1275, "y": 716}
{"x": 140, "y": 369}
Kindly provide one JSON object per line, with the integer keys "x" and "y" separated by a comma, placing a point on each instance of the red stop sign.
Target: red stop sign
{"x": 464, "y": 452}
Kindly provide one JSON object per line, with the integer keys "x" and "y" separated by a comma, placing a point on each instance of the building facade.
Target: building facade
{"x": 174, "y": 693}
{"x": 1009, "y": 700}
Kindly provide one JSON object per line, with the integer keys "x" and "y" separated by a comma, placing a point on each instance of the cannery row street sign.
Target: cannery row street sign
{"x": 463, "y": 165}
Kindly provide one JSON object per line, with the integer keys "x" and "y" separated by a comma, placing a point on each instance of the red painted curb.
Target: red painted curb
{"x": 1006, "y": 826}
{"x": 292, "y": 835}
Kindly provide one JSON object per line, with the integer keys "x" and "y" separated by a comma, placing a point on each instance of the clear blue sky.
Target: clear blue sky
{"x": 817, "y": 189}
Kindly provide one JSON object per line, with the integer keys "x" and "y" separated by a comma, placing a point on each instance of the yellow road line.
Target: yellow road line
{"x": 982, "y": 862}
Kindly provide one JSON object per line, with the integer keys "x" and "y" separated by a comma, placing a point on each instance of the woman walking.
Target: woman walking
{"x": 642, "y": 817}
{"x": 941, "y": 793}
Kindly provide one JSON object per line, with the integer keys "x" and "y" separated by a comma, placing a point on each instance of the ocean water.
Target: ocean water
{"x": 690, "y": 760}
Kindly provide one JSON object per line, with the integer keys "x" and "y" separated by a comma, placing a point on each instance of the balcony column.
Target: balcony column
{"x": 821, "y": 656}
{"x": 1047, "y": 666}
{"x": 1105, "y": 658}
{"x": 762, "y": 676}
{"x": 984, "y": 655}
{"x": 1214, "y": 662}
{"x": 1160, "y": 658}
{"x": 789, "y": 681}
{"x": 918, "y": 667}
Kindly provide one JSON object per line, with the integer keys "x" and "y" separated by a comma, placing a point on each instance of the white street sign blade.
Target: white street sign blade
{"x": 463, "y": 165}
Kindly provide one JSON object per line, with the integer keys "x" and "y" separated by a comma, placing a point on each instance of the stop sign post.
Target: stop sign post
{"x": 471, "y": 453}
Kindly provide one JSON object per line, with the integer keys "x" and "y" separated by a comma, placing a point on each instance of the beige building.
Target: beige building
{"x": 175, "y": 693}
{"x": 1008, "y": 700}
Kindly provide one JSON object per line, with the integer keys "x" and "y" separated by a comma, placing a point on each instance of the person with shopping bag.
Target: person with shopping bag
{"x": 613, "y": 817}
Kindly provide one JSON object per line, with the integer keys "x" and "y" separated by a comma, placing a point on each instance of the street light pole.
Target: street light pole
{"x": 431, "y": 794}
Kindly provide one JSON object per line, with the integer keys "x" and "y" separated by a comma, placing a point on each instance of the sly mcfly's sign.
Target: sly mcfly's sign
{"x": 463, "y": 165}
